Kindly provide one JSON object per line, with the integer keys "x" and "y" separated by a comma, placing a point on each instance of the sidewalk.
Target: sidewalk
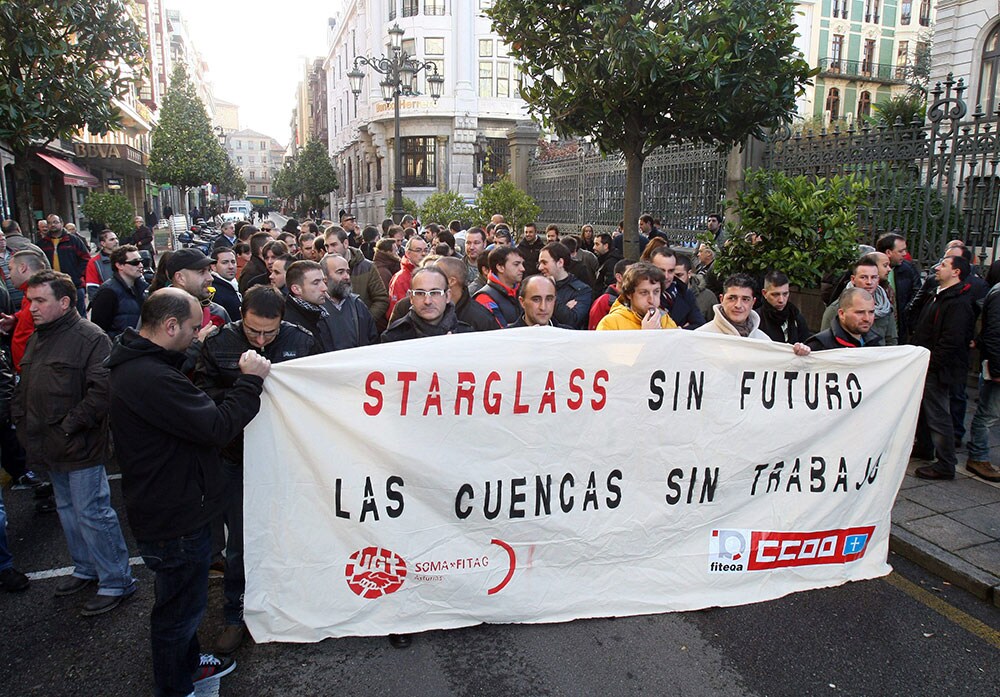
{"x": 952, "y": 528}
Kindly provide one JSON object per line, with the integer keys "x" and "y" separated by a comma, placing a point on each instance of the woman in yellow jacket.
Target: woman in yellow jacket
{"x": 638, "y": 306}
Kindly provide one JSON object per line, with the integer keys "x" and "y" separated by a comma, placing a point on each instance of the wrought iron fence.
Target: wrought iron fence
{"x": 681, "y": 186}
{"x": 929, "y": 182}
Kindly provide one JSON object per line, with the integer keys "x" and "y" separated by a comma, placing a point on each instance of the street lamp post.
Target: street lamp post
{"x": 400, "y": 71}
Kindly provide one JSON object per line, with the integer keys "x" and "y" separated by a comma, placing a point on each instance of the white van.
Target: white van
{"x": 238, "y": 210}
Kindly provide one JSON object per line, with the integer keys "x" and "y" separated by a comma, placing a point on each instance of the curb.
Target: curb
{"x": 948, "y": 566}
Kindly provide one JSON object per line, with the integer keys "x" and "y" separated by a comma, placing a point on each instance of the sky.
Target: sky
{"x": 255, "y": 50}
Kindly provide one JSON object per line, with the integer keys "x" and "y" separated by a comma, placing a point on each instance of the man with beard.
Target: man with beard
{"x": 851, "y": 328}
{"x": 431, "y": 312}
{"x": 866, "y": 274}
{"x": 351, "y": 324}
{"x": 780, "y": 319}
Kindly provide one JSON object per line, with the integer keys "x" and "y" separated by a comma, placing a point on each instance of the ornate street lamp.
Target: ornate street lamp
{"x": 400, "y": 72}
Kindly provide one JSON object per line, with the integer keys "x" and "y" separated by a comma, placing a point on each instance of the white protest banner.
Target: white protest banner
{"x": 543, "y": 475}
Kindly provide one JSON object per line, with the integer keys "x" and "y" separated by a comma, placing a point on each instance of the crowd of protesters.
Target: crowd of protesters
{"x": 201, "y": 336}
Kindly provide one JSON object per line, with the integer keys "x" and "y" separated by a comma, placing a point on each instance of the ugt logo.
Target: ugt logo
{"x": 375, "y": 571}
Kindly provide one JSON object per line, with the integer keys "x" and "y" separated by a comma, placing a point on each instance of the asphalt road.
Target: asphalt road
{"x": 909, "y": 634}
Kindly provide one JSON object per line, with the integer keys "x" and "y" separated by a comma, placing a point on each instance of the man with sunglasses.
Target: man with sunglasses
{"x": 264, "y": 331}
{"x": 118, "y": 301}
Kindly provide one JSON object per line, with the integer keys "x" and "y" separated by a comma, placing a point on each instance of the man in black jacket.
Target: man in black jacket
{"x": 431, "y": 314}
{"x": 780, "y": 319}
{"x": 945, "y": 327}
{"x": 466, "y": 309}
{"x": 851, "y": 328}
{"x": 168, "y": 434}
{"x": 529, "y": 248}
{"x": 607, "y": 257}
{"x": 263, "y": 331}
{"x": 573, "y": 296}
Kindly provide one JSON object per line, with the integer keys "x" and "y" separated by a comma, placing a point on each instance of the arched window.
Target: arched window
{"x": 989, "y": 74}
{"x": 833, "y": 103}
{"x": 864, "y": 105}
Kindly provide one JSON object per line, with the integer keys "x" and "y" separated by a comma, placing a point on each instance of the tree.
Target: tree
{"x": 638, "y": 74}
{"x": 285, "y": 184}
{"x": 185, "y": 152}
{"x": 800, "y": 226}
{"x": 232, "y": 182}
{"x": 517, "y": 207}
{"x": 316, "y": 175}
{"x": 62, "y": 66}
{"x": 113, "y": 211}
{"x": 410, "y": 207}
{"x": 444, "y": 206}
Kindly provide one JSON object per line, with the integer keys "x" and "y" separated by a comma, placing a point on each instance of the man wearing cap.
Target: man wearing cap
{"x": 191, "y": 271}
{"x": 350, "y": 224}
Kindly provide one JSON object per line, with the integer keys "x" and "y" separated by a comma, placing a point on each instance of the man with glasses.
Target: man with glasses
{"x": 117, "y": 303}
{"x": 263, "y": 331}
{"x": 431, "y": 312}
{"x": 416, "y": 250}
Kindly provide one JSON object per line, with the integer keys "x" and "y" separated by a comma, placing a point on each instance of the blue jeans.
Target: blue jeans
{"x": 986, "y": 415}
{"x": 181, "y": 590}
{"x": 6, "y": 560}
{"x": 235, "y": 583}
{"x": 90, "y": 524}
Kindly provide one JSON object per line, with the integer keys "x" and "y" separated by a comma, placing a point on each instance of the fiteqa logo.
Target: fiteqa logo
{"x": 727, "y": 551}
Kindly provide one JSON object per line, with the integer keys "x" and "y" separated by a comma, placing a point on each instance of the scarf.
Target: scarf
{"x": 448, "y": 323}
{"x": 308, "y": 306}
{"x": 743, "y": 328}
{"x": 883, "y": 305}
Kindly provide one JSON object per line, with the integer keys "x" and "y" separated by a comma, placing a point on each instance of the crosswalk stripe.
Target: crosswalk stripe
{"x": 68, "y": 570}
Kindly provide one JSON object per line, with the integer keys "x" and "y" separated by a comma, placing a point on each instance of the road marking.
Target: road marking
{"x": 68, "y": 570}
{"x": 945, "y": 609}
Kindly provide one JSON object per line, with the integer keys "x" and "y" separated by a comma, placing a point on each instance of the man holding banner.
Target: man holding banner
{"x": 168, "y": 434}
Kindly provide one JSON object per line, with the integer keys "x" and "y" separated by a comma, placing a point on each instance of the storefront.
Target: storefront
{"x": 119, "y": 168}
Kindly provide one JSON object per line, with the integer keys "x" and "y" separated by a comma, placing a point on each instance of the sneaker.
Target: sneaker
{"x": 28, "y": 480}
{"x": 984, "y": 469}
{"x": 73, "y": 584}
{"x": 43, "y": 490}
{"x": 12, "y": 580}
{"x": 230, "y": 639}
{"x": 212, "y": 666}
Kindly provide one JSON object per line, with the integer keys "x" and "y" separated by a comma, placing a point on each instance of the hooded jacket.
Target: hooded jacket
{"x": 168, "y": 434}
{"x": 622, "y": 316}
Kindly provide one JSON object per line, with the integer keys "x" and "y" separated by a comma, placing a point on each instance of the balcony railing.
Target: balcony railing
{"x": 860, "y": 69}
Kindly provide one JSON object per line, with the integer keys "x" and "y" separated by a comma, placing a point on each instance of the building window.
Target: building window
{"x": 840, "y": 8}
{"x": 409, "y": 47}
{"x": 239, "y": 159}
{"x": 264, "y": 189}
{"x": 410, "y": 8}
{"x": 865, "y": 105}
{"x": 485, "y": 79}
{"x": 392, "y": 9}
{"x": 833, "y": 103}
{"x": 836, "y": 52}
{"x": 989, "y": 74}
{"x": 872, "y": 11}
{"x": 868, "y": 61}
{"x": 378, "y": 174}
{"x": 925, "y": 13}
{"x": 902, "y": 59}
{"x": 418, "y": 162}
{"x": 433, "y": 46}
{"x": 503, "y": 79}
{"x": 238, "y": 146}
{"x": 486, "y": 48}
{"x": 253, "y": 175}
{"x": 496, "y": 160}
{"x": 905, "y": 11}
{"x": 434, "y": 7}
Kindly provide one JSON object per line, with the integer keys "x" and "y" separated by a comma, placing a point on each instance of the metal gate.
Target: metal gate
{"x": 929, "y": 182}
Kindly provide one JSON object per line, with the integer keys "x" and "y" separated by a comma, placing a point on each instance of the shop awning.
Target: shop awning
{"x": 73, "y": 174}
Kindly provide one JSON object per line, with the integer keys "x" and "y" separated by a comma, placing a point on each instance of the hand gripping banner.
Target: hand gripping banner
{"x": 544, "y": 475}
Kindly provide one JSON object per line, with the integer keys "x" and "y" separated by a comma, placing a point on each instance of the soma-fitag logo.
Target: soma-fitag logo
{"x": 758, "y": 550}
